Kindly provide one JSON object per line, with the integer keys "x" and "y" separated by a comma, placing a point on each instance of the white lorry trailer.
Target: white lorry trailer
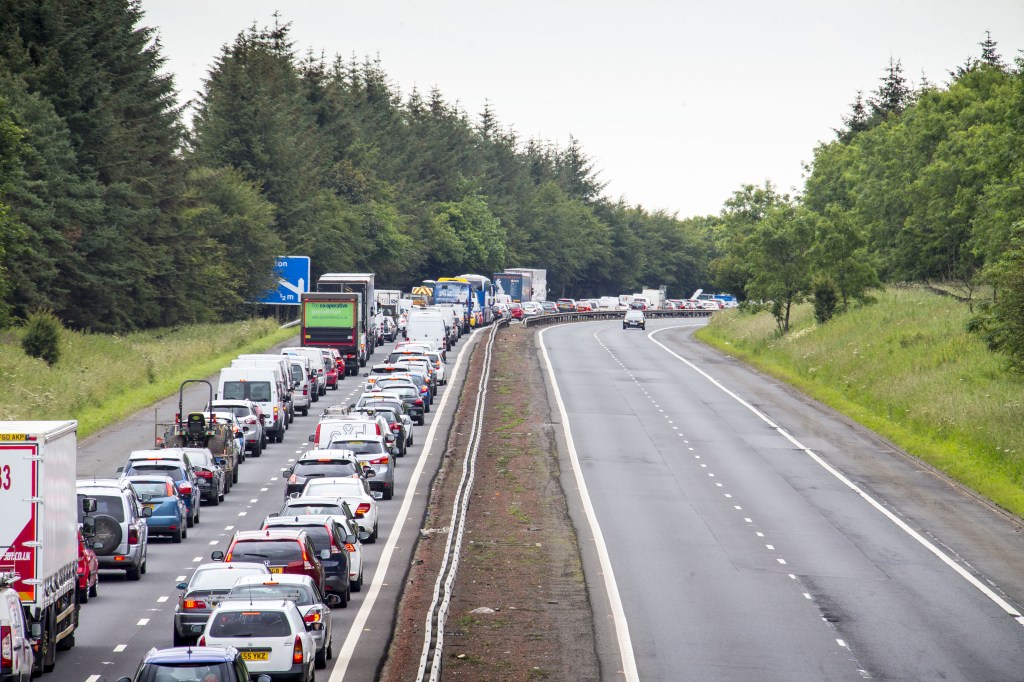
{"x": 538, "y": 283}
{"x": 39, "y": 533}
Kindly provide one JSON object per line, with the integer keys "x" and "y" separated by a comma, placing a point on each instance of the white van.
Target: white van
{"x": 305, "y": 390}
{"x": 316, "y": 361}
{"x": 452, "y": 321}
{"x": 259, "y": 385}
{"x": 427, "y": 325}
{"x": 279, "y": 364}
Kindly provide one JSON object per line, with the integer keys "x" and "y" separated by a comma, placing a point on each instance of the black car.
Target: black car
{"x": 223, "y": 664}
{"x": 319, "y": 466}
{"x": 634, "y": 318}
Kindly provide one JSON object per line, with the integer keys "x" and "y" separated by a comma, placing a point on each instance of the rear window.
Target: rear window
{"x": 176, "y": 473}
{"x": 329, "y": 469}
{"x": 300, "y": 594}
{"x": 239, "y": 411}
{"x": 274, "y": 551}
{"x": 154, "y": 489}
{"x": 360, "y": 447}
{"x": 219, "y": 578}
{"x": 313, "y": 508}
{"x": 258, "y": 391}
{"x": 111, "y": 505}
{"x": 297, "y": 373}
{"x": 318, "y": 534}
{"x": 250, "y": 624}
{"x": 162, "y": 672}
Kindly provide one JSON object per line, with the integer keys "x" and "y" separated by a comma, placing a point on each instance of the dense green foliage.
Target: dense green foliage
{"x": 116, "y": 216}
{"x": 42, "y": 337}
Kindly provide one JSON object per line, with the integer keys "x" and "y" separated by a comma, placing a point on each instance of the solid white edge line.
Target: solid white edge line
{"x": 902, "y": 525}
{"x": 344, "y": 656}
{"x": 615, "y": 601}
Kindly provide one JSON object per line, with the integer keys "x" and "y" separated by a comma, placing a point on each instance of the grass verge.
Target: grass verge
{"x": 906, "y": 368}
{"x": 102, "y": 378}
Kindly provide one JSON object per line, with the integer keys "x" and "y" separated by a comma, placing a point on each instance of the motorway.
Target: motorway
{"x": 128, "y": 618}
{"x": 754, "y": 534}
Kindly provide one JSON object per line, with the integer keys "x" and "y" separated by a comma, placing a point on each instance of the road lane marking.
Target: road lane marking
{"x": 93, "y": 678}
{"x": 179, "y": 578}
{"x": 161, "y": 600}
{"x": 629, "y": 669}
{"x": 119, "y": 648}
{"x": 348, "y": 648}
{"x": 143, "y": 621}
{"x": 1008, "y": 608}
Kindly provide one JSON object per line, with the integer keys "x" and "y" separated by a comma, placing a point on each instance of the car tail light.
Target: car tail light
{"x": 170, "y": 490}
{"x": 191, "y": 604}
{"x": 362, "y": 509}
{"x": 133, "y": 536}
{"x": 203, "y": 473}
{"x": 314, "y": 616}
{"x": 275, "y": 412}
{"x": 305, "y": 391}
{"x": 202, "y": 641}
{"x": 185, "y": 488}
{"x": 316, "y": 437}
{"x": 418, "y": 401}
{"x": 250, "y": 420}
{"x": 378, "y": 430}
{"x": 350, "y": 547}
{"x": 293, "y": 479}
{"x": 396, "y": 427}
{"x": 379, "y": 460}
{"x": 6, "y": 647}
{"x": 297, "y": 657}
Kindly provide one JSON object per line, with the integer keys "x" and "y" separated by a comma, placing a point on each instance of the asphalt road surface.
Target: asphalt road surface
{"x": 756, "y": 535}
{"x": 127, "y": 619}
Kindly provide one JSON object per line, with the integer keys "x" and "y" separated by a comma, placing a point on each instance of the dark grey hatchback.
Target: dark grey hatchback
{"x": 634, "y": 318}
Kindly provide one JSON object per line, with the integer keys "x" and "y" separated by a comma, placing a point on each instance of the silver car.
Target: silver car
{"x": 122, "y": 534}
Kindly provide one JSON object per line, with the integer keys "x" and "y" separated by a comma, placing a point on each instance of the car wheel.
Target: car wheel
{"x": 320, "y": 658}
{"x": 215, "y": 500}
{"x": 234, "y": 476}
{"x": 83, "y": 595}
{"x": 133, "y": 573}
{"x": 197, "y": 513}
{"x": 179, "y": 640}
{"x": 220, "y": 498}
{"x": 419, "y": 421}
{"x": 191, "y": 521}
{"x": 279, "y": 436}
{"x": 389, "y": 493}
{"x": 184, "y": 525}
{"x": 176, "y": 538}
{"x": 142, "y": 569}
{"x": 264, "y": 441}
{"x": 94, "y": 591}
{"x": 305, "y": 411}
{"x": 373, "y": 535}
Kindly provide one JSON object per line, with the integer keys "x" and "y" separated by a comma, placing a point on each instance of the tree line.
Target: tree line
{"x": 922, "y": 183}
{"x": 117, "y": 213}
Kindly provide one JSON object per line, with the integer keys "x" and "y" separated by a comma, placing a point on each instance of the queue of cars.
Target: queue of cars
{"x": 261, "y": 608}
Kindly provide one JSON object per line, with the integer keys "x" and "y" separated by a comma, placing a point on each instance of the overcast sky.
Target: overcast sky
{"x": 678, "y": 103}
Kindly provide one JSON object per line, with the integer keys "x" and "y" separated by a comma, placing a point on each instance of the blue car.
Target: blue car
{"x": 184, "y": 478}
{"x": 170, "y": 515}
{"x": 224, "y": 664}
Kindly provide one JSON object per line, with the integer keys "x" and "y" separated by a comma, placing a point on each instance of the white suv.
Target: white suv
{"x": 122, "y": 535}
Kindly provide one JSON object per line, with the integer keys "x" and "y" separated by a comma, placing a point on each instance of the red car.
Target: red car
{"x": 88, "y": 570}
{"x": 516, "y": 310}
{"x": 331, "y": 368}
{"x": 584, "y": 307}
{"x": 281, "y": 550}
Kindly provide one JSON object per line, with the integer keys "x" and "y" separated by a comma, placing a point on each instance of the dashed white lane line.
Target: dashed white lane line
{"x": 179, "y": 578}
{"x": 214, "y": 542}
{"x": 119, "y": 648}
{"x": 253, "y": 501}
{"x": 161, "y": 600}
{"x": 229, "y": 527}
{"x": 242, "y": 513}
{"x": 263, "y": 490}
{"x": 143, "y": 621}
{"x": 93, "y": 678}
{"x": 197, "y": 559}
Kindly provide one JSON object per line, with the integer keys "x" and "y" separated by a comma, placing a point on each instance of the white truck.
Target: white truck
{"x": 539, "y": 282}
{"x": 39, "y": 533}
{"x": 655, "y": 298}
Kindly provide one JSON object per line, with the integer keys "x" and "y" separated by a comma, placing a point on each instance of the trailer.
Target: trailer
{"x": 357, "y": 283}
{"x": 39, "y": 534}
{"x": 538, "y": 283}
{"x": 335, "y": 320}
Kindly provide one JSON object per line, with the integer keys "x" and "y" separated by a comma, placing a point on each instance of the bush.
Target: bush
{"x": 42, "y": 337}
{"x": 825, "y": 300}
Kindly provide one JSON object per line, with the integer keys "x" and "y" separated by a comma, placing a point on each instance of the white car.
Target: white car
{"x": 354, "y": 491}
{"x": 269, "y": 634}
{"x": 300, "y": 589}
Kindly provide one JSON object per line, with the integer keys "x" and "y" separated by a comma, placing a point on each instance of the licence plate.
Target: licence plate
{"x": 255, "y": 656}
{"x": 276, "y": 569}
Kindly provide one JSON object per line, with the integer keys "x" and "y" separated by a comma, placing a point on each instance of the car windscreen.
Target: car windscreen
{"x": 258, "y": 391}
{"x": 176, "y": 473}
{"x": 300, "y": 594}
{"x": 321, "y": 469}
{"x": 360, "y": 447}
{"x": 250, "y": 624}
{"x": 274, "y": 551}
{"x": 185, "y": 671}
{"x": 110, "y": 505}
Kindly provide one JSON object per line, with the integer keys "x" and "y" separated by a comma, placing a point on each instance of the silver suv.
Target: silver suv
{"x": 122, "y": 535}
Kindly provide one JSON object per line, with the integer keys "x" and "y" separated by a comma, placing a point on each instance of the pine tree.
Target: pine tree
{"x": 989, "y": 54}
{"x": 857, "y": 122}
{"x": 893, "y": 95}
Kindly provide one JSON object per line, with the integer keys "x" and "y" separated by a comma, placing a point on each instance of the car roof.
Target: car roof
{"x": 301, "y": 520}
{"x": 324, "y": 454}
{"x": 283, "y": 578}
{"x": 231, "y": 566}
{"x": 192, "y": 654}
{"x": 269, "y": 534}
{"x": 115, "y": 484}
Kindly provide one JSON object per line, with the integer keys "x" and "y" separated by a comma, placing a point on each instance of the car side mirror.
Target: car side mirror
{"x": 119, "y": 470}
{"x": 311, "y": 627}
{"x": 325, "y": 554}
{"x": 289, "y": 471}
{"x": 363, "y": 536}
{"x": 351, "y": 406}
{"x": 333, "y": 599}
{"x": 36, "y": 631}
{"x": 147, "y": 512}
{"x": 88, "y": 526}
{"x": 272, "y": 515}
{"x": 217, "y": 556}
{"x": 88, "y": 505}
{"x": 351, "y": 539}
{"x": 366, "y": 374}
{"x": 261, "y": 678}
{"x": 369, "y": 473}
{"x": 396, "y": 450}
{"x": 182, "y": 586}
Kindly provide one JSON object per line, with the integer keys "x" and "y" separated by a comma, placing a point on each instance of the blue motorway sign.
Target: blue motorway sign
{"x": 292, "y": 281}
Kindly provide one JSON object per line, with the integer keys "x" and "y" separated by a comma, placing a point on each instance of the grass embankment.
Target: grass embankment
{"x": 102, "y": 378}
{"x": 905, "y": 368}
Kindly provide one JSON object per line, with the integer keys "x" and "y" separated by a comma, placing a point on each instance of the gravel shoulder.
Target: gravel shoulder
{"x": 520, "y": 608}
